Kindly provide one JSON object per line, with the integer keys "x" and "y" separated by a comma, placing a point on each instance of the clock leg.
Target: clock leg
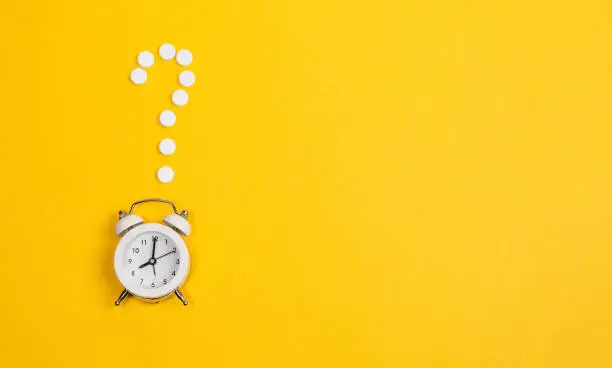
{"x": 123, "y": 295}
{"x": 180, "y": 296}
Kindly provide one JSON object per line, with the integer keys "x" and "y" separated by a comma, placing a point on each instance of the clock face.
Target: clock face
{"x": 152, "y": 259}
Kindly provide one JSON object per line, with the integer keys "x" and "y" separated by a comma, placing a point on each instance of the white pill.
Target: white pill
{"x": 167, "y": 147}
{"x": 138, "y": 76}
{"x": 165, "y": 174}
{"x": 184, "y": 57}
{"x": 167, "y": 118}
{"x": 180, "y": 97}
{"x": 167, "y": 51}
{"x": 187, "y": 78}
{"x": 146, "y": 59}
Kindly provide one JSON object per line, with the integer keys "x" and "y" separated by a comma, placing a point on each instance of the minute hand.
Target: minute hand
{"x": 163, "y": 255}
{"x": 154, "y": 240}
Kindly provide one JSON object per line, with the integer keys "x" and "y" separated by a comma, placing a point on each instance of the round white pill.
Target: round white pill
{"x": 167, "y": 118}
{"x": 138, "y": 76}
{"x": 167, "y": 147}
{"x": 167, "y": 51}
{"x": 180, "y": 97}
{"x": 146, "y": 59}
{"x": 187, "y": 78}
{"x": 184, "y": 57}
{"x": 165, "y": 174}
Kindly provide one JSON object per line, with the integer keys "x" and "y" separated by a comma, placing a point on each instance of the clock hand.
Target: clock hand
{"x": 154, "y": 239}
{"x": 163, "y": 255}
{"x": 153, "y": 269}
{"x": 144, "y": 264}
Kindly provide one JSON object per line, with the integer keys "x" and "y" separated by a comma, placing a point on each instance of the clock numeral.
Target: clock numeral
{"x": 143, "y": 241}
{"x": 165, "y": 281}
{"x": 166, "y": 240}
{"x": 178, "y": 261}
{"x": 130, "y": 260}
{"x": 133, "y": 273}
{"x": 174, "y": 249}
{"x": 141, "y": 280}
{"x": 135, "y": 250}
{"x": 152, "y": 284}
{"x": 173, "y": 273}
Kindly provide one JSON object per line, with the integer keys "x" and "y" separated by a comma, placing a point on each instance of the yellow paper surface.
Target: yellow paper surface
{"x": 371, "y": 183}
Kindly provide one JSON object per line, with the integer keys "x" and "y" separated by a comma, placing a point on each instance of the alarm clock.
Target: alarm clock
{"x": 151, "y": 259}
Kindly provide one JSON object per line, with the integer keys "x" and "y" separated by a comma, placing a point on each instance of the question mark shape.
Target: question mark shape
{"x": 180, "y": 97}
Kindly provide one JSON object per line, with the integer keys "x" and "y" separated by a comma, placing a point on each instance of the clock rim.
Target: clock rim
{"x": 123, "y": 273}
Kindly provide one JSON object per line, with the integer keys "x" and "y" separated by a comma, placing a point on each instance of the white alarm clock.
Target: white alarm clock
{"x": 151, "y": 259}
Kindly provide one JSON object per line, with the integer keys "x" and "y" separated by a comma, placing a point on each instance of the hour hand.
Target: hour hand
{"x": 144, "y": 264}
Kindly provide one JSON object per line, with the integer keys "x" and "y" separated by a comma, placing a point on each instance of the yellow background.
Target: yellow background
{"x": 371, "y": 183}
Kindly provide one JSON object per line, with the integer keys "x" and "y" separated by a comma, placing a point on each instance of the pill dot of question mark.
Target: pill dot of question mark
{"x": 165, "y": 174}
{"x": 167, "y": 147}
